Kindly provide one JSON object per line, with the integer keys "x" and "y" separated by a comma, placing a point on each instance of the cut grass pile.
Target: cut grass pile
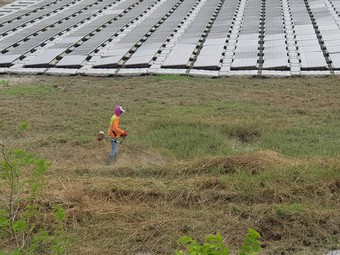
{"x": 202, "y": 156}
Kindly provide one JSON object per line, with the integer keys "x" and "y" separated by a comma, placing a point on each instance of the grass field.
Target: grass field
{"x": 4, "y": 2}
{"x": 202, "y": 156}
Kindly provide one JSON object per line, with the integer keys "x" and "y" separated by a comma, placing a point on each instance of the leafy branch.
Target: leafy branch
{"x": 21, "y": 178}
{"x": 13, "y": 179}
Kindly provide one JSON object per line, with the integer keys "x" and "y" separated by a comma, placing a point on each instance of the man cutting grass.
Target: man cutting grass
{"x": 115, "y": 133}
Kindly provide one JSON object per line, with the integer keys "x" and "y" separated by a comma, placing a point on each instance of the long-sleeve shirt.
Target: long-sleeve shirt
{"x": 114, "y": 130}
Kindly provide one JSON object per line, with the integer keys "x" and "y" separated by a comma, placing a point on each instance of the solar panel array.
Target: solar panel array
{"x": 198, "y": 37}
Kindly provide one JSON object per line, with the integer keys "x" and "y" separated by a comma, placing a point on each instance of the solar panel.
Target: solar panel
{"x": 179, "y": 55}
{"x": 27, "y": 10}
{"x": 70, "y": 40}
{"x": 274, "y": 43}
{"x": 210, "y": 56}
{"x": 160, "y": 35}
{"x": 138, "y": 32}
{"x": 333, "y": 49}
{"x": 46, "y": 58}
{"x": 17, "y": 37}
{"x": 248, "y": 40}
{"x": 244, "y": 63}
{"x": 35, "y": 16}
{"x": 185, "y": 46}
{"x": 313, "y": 60}
{"x": 276, "y": 63}
{"x": 306, "y": 38}
{"x": 7, "y": 60}
{"x": 335, "y": 60}
{"x": 279, "y": 53}
{"x": 146, "y": 52}
{"x": 327, "y": 26}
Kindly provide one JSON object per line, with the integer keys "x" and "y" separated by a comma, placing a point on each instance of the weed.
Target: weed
{"x": 23, "y": 126}
{"x": 214, "y": 245}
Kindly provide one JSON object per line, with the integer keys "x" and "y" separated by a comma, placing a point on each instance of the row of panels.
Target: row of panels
{"x": 219, "y": 35}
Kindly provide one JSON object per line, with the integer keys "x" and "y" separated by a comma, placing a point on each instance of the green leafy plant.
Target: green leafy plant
{"x": 22, "y": 178}
{"x": 214, "y": 245}
{"x": 251, "y": 245}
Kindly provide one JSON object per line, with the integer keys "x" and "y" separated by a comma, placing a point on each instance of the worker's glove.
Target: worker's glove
{"x": 124, "y": 133}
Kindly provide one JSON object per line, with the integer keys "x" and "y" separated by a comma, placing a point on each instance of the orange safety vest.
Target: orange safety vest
{"x": 114, "y": 130}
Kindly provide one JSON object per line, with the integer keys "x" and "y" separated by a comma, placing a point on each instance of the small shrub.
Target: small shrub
{"x": 21, "y": 178}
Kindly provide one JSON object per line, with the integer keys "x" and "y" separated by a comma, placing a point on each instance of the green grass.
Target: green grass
{"x": 302, "y": 141}
{"x": 288, "y": 210}
{"x": 303, "y": 133}
{"x": 28, "y": 91}
{"x": 204, "y": 130}
{"x": 171, "y": 77}
{"x": 189, "y": 117}
{"x": 4, "y": 83}
{"x": 219, "y": 155}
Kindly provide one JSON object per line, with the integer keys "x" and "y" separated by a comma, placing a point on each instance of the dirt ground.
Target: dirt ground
{"x": 4, "y": 2}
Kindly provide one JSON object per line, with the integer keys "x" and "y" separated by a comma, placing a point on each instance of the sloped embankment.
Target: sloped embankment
{"x": 128, "y": 209}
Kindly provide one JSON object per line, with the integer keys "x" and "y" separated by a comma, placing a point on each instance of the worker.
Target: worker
{"x": 115, "y": 133}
